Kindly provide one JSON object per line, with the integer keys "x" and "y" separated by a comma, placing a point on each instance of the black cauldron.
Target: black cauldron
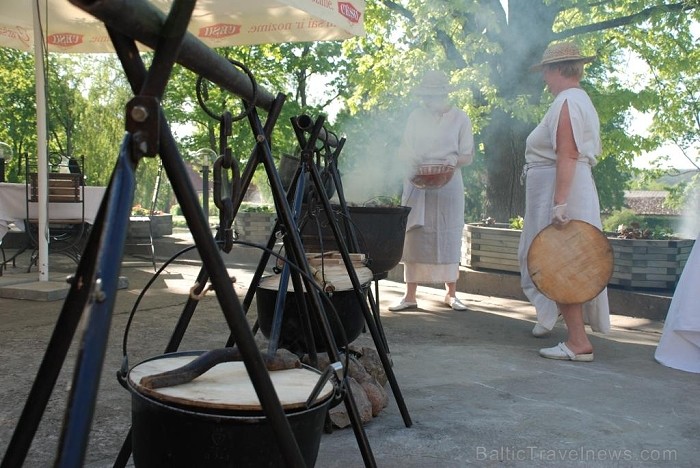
{"x": 345, "y": 303}
{"x": 177, "y": 431}
{"x": 380, "y": 232}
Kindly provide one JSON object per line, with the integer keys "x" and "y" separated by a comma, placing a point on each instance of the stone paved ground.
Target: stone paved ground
{"x": 475, "y": 389}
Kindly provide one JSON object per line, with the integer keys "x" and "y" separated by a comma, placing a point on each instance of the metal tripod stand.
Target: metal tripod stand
{"x": 369, "y": 307}
{"x": 93, "y": 288}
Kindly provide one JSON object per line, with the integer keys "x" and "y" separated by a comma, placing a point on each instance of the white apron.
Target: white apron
{"x": 539, "y": 190}
{"x": 432, "y": 246}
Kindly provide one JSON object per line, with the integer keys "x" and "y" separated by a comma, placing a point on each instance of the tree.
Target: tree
{"x": 17, "y": 108}
{"x": 489, "y": 51}
{"x": 102, "y": 124}
{"x": 291, "y": 68}
{"x": 65, "y": 102}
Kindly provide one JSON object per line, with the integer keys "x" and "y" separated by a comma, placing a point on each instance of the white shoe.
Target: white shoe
{"x": 403, "y": 305}
{"x": 539, "y": 331}
{"x": 563, "y": 353}
{"x": 454, "y": 303}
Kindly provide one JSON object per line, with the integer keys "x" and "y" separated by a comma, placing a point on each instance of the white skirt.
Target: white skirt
{"x": 430, "y": 272}
{"x": 679, "y": 346}
{"x": 583, "y": 204}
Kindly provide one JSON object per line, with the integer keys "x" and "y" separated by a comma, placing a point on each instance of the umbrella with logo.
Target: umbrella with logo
{"x": 63, "y": 27}
{"x": 217, "y": 23}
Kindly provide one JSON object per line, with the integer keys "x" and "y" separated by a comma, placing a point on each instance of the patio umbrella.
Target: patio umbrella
{"x": 67, "y": 28}
{"x": 44, "y": 26}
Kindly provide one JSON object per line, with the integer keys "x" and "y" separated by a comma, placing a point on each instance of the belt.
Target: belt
{"x": 548, "y": 163}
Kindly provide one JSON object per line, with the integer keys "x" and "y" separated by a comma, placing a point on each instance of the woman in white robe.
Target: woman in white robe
{"x": 436, "y": 133}
{"x": 679, "y": 346}
{"x": 559, "y": 155}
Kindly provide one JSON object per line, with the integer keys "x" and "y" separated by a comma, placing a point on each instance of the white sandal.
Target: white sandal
{"x": 455, "y": 303}
{"x": 403, "y": 305}
{"x": 563, "y": 353}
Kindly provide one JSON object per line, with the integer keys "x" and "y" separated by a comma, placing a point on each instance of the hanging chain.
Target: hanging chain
{"x": 226, "y": 173}
{"x": 226, "y": 188}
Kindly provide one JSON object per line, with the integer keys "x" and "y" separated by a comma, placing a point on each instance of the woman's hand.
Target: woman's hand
{"x": 450, "y": 160}
{"x": 559, "y": 216}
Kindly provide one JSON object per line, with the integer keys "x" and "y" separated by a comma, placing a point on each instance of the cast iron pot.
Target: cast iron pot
{"x": 380, "y": 232}
{"x": 168, "y": 434}
{"x": 292, "y": 333}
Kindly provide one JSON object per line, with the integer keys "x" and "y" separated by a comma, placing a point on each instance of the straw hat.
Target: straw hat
{"x": 434, "y": 83}
{"x": 562, "y": 52}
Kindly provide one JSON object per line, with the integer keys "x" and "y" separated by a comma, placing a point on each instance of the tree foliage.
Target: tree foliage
{"x": 368, "y": 82}
{"x": 17, "y": 109}
{"x": 488, "y": 52}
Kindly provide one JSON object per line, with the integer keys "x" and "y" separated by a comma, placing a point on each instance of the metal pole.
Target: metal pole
{"x": 205, "y": 155}
{"x": 205, "y": 192}
{"x": 41, "y": 147}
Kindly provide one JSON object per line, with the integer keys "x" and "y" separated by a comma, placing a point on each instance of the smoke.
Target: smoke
{"x": 690, "y": 227}
{"x": 369, "y": 162}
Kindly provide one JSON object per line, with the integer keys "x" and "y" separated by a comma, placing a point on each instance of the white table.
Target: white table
{"x": 13, "y": 206}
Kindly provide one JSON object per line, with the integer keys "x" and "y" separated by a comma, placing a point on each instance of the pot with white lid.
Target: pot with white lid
{"x": 216, "y": 419}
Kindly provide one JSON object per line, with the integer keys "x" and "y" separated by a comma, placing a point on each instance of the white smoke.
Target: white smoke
{"x": 369, "y": 162}
{"x": 690, "y": 227}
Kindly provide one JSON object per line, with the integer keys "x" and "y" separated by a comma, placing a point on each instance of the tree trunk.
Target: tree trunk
{"x": 504, "y": 140}
{"x": 505, "y": 134}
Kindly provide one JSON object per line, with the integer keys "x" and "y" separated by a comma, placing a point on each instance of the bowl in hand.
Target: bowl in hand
{"x": 432, "y": 176}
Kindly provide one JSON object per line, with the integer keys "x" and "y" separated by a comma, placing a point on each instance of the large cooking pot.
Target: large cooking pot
{"x": 380, "y": 232}
{"x": 216, "y": 419}
{"x": 344, "y": 301}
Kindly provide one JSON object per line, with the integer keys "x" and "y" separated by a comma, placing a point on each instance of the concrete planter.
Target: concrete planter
{"x": 254, "y": 227}
{"x": 492, "y": 247}
{"x": 161, "y": 224}
{"x": 639, "y": 263}
{"x": 656, "y": 264}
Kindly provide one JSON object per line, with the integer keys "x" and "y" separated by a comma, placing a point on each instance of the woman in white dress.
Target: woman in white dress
{"x": 559, "y": 155}
{"x": 679, "y": 346}
{"x": 436, "y": 133}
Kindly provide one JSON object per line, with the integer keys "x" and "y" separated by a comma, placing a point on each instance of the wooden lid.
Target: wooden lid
{"x": 333, "y": 274}
{"x": 570, "y": 264}
{"x": 227, "y": 385}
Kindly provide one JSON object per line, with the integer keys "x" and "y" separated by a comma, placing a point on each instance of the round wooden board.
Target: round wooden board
{"x": 570, "y": 264}
{"x": 337, "y": 275}
{"x": 228, "y": 386}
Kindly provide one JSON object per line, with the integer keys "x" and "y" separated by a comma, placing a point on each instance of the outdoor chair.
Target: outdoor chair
{"x": 140, "y": 233}
{"x": 67, "y": 227}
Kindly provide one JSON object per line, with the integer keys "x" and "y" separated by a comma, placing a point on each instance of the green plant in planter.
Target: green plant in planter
{"x": 139, "y": 210}
{"x": 625, "y": 224}
{"x": 635, "y": 231}
{"x": 255, "y": 208}
{"x": 380, "y": 201}
{"x": 516, "y": 223}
